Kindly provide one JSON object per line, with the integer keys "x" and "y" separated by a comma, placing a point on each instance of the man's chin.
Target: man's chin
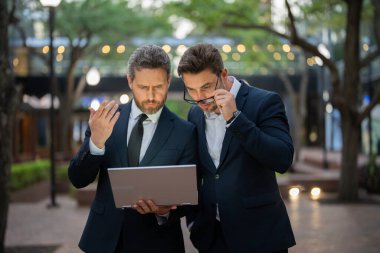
{"x": 151, "y": 109}
{"x": 208, "y": 108}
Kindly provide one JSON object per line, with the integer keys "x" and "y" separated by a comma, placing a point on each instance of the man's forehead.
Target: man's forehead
{"x": 198, "y": 80}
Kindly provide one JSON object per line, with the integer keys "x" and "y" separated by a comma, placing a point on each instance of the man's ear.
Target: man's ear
{"x": 130, "y": 82}
{"x": 224, "y": 73}
{"x": 169, "y": 80}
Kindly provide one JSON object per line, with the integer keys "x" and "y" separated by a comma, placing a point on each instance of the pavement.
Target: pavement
{"x": 320, "y": 226}
{"x": 323, "y": 225}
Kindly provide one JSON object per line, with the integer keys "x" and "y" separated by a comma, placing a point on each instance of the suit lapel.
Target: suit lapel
{"x": 120, "y": 133}
{"x": 163, "y": 130}
{"x": 240, "y": 101}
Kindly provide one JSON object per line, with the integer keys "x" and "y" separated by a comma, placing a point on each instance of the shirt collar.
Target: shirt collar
{"x": 234, "y": 90}
{"x": 235, "y": 86}
{"x": 136, "y": 112}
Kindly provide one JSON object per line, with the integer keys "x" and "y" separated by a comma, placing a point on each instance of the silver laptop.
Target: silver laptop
{"x": 165, "y": 185}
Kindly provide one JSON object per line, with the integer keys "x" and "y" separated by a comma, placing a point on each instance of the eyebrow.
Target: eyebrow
{"x": 147, "y": 85}
{"x": 203, "y": 85}
{"x": 208, "y": 83}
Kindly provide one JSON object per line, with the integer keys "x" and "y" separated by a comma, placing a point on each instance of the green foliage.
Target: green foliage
{"x": 62, "y": 172}
{"x": 24, "y": 174}
{"x": 256, "y": 58}
{"x": 210, "y": 14}
{"x": 106, "y": 21}
{"x": 28, "y": 173}
{"x": 310, "y": 18}
{"x": 178, "y": 107}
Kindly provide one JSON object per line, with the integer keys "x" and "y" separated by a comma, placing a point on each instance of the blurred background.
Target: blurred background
{"x": 61, "y": 57}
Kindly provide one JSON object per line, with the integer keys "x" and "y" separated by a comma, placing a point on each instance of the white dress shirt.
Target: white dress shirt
{"x": 215, "y": 131}
{"x": 216, "y": 128}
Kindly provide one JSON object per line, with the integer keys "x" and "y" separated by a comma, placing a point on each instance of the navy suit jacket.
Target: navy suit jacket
{"x": 244, "y": 187}
{"x": 174, "y": 142}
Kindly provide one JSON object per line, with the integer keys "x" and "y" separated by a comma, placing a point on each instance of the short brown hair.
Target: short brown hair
{"x": 148, "y": 57}
{"x": 201, "y": 57}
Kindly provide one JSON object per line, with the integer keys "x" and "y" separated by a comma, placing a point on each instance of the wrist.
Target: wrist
{"x": 234, "y": 116}
{"x": 99, "y": 145}
{"x": 163, "y": 212}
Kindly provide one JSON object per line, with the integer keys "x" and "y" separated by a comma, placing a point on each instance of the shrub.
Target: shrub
{"x": 178, "y": 107}
{"x": 61, "y": 172}
{"x": 27, "y": 173}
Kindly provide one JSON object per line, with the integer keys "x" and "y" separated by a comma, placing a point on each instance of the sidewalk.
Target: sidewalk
{"x": 319, "y": 226}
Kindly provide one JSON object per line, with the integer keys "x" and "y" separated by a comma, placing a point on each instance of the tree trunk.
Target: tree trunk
{"x": 8, "y": 104}
{"x": 67, "y": 103}
{"x": 298, "y": 108}
{"x": 66, "y": 112}
{"x": 348, "y": 187}
{"x": 298, "y": 134}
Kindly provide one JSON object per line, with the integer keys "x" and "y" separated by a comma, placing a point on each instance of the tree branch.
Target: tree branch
{"x": 376, "y": 26}
{"x": 12, "y": 19}
{"x": 295, "y": 40}
{"x": 255, "y": 26}
{"x": 293, "y": 28}
{"x": 80, "y": 86}
{"x": 376, "y": 29}
{"x": 369, "y": 58}
{"x": 303, "y": 86}
{"x": 287, "y": 83}
{"x": 367, "y": 110}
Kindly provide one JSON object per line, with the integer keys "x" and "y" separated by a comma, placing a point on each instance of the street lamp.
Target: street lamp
{"x": 52, "y": 4}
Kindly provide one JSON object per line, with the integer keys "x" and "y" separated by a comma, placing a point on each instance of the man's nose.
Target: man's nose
{"x": 150, "y": 94}
{"x": 199, "y": 95}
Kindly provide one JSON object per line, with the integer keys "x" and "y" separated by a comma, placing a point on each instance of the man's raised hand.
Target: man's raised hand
{"x": 102, "y": 121}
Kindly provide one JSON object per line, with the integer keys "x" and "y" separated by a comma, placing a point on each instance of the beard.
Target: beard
{"x": 211, "y": 108}
{"x": 153, "y": 107}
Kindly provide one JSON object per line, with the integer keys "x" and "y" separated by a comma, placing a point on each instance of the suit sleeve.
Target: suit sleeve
{"x": 84, "y": 167}
{"x": 267, "y": 140}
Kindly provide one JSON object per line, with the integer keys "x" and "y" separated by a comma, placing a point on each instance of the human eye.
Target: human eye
{"x": 206, "y": 87}
{"x": 143, "y": 87}
{"x": 158, "y": 87}
{"x": 190, "y": 90}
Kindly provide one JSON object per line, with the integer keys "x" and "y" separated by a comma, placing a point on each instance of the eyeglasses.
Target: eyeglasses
{"x": 205, "y": 101}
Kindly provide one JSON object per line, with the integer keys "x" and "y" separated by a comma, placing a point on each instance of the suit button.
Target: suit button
{"x": 217, "y": 176}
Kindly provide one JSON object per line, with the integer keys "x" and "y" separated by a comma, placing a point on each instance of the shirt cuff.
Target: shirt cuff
{"x": 190, "y": 226}
{"x": 94, "y": 150}
{"x": 162, "y": 219}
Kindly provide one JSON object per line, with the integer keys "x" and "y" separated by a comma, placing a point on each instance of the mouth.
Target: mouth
{"x": 208, "y": 107}
{"x": 150, "y": 103}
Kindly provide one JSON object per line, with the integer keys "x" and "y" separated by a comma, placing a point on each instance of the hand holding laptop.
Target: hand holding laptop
{"x": 148, "y": 206}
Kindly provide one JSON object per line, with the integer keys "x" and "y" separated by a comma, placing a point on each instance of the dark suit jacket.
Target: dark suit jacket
{"x": 253, "y": 215}
{"x": 174, "y": 142}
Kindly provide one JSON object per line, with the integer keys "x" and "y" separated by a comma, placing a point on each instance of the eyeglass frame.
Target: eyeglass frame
{"x": 201, "y": 101}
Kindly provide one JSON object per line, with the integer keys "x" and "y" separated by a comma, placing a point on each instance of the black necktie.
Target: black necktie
{"x": 134, "y": 143}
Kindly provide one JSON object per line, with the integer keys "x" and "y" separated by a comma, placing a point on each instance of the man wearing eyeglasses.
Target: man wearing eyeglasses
{"x": 243, "y": 139}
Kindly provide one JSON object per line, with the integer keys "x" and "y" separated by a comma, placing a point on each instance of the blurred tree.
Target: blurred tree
{"x": 256, "y": 52}
{"x": 8, "y": 104}
{"x": 345, "y": 18}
